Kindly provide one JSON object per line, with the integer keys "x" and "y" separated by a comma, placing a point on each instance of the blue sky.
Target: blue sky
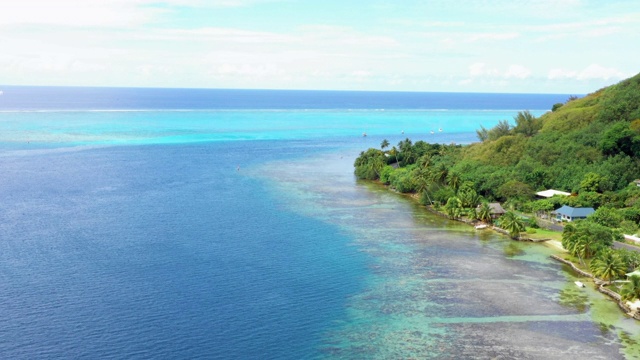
{"x": 546, "y": 46}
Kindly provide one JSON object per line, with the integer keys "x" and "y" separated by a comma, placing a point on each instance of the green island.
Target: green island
{"x": 569, "y": 177}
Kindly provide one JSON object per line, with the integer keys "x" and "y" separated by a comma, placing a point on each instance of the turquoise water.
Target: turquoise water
{"x": 243, "y": 234}
{"x": 26, "y": 129}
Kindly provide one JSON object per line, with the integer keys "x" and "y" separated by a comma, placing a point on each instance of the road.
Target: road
{"x": 620, "y": 245}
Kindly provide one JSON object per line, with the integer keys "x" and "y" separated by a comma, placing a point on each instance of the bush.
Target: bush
{"x": 402, "y": 181}
{"x": 425, "y": 199}
{"x": 607, "y": 216}
{"x": 385, "y": 174}
{"x": 628, "y": 227}
{"x": 532, "y": 223}
{"x": 443, "y": 194}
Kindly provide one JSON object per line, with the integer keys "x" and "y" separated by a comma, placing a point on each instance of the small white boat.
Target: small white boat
{"x": 364, "y": 134}
{"x": 481, "y": 226}
{"x": 579, "y": 284}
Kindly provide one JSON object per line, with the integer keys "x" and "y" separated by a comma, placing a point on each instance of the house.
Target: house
{"x": 550, "y": 193}
{"x": 637, "y": 182}
{"x": 568, "y": 213}
{"x": 496, "y": 210}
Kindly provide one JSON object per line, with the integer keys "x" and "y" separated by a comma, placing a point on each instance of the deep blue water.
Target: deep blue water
{"x": 74, "y": 98}
{"x": 163, "y": 251}
{"x": 237, "y": 231}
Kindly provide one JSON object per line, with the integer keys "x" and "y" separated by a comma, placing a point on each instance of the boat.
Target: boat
{"x": 579, "y": 284}
{"x": 481, "y": 226}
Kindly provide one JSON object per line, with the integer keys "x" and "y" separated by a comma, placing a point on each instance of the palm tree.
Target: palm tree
{"x": 631, "y": 290}
{"x": 588, "y": 246}
{"x": 454, "y": 180}
{"x": 422, "y": 178}
{"x": 469, "y": 198}
{"x": 424, "y": 161}
{"x": 608, "y": 266}
{"x": 472, "y": 214}
{"x": 406, "y": 147}
{"x": 440, "y": 173}
{"x": 453, "y": 208}
{"x": 384, "y": 144}
{"x": 512, "y": 223}
{"x": 577, "y": 248}
{"x": 377, "y": 165}
{"x": 568, "y": 236}
{"x": 484, "y": 213}
{"x": 394, "y": 152}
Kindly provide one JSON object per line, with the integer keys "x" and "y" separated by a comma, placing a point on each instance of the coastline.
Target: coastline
{"x": 554, "y": 244}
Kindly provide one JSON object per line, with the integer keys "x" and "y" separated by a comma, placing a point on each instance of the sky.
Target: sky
{"x": 506, "y": 46}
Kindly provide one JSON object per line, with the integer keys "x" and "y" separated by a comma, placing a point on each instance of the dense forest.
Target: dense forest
{"x": 589, "y": 147}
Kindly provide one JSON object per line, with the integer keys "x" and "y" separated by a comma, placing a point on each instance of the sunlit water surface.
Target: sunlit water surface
{"x": 243, "y": 234}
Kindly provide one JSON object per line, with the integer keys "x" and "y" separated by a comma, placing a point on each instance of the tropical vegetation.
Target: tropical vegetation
{"x": 589, "y": 147}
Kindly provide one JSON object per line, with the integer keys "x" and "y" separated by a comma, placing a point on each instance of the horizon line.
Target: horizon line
{"x": 276, "y": 90}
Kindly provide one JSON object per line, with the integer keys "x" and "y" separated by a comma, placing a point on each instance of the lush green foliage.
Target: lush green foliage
{"x": 369, "y": 164}
{"x": 588, "y": 146}
{"x": 586, "y": 238}
{"x": 631, "y": 290}
{"x": 512, "y": 223}
{"x": 608, "y": 265}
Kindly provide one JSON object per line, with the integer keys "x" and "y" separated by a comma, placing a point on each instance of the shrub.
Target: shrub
{"x": 385, "y": 174}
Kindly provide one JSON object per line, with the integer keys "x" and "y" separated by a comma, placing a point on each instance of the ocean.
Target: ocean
{"x": 227, "y": 224}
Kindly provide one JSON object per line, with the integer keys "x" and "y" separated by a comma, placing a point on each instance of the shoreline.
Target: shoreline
{"x": 599, "y": 283}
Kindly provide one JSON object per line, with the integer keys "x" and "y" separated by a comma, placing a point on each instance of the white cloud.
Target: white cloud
{"x": 591, "y": 72}
{"x": 77, "y": 13}
{"x": 251, "y": 70}
{"x": 518, "y": 72}
{"x": 360, "y": 74}
{"x": 559, "y": 74}
{"x": 228, "y": 35}
{"x": 493, "y": 36}
{"x": 101, "y": 13}
{"x": 595, "y": 71}
{"x": 481, "y": 69}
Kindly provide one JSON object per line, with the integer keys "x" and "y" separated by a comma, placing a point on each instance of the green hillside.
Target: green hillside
{"x": 596, "y": 134}
{"x": 589, "y": 146}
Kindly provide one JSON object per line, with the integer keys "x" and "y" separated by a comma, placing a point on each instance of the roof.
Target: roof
{"x": 575, "y": 212}
{"x": 549, "y": 193}
{"x": 496, "y": 208}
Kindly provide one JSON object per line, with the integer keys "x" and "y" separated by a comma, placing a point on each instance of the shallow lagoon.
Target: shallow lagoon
{"x": 441, "y": 289}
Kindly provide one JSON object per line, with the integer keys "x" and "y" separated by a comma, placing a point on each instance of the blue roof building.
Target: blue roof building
{"x": 568, "y": 213}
